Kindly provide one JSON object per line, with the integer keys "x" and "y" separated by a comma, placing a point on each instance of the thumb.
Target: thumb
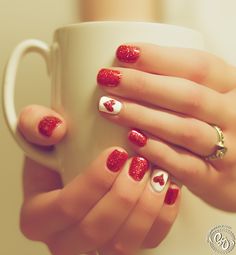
{"x": 41, "y": 125}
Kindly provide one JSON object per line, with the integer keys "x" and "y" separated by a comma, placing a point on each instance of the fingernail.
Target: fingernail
{"x": 128, "y": 53}
{"x": 138, "y": 168}
{"x": 109, "y": 105}
{"x": 137, "y": 137}
{"x": 171, "y": 195}
{"x": 109, "y": 77}
{"x": 159, "y": 179}
{"x": 47, "y": 125}
{"x": 116, "y": 160}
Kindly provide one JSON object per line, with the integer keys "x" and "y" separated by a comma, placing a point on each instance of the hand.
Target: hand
{"x": 174, "y": 96}
{"x": 107, "y": 207}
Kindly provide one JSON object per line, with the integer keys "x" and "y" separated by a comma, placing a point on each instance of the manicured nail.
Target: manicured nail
{"x": 109, "y": 77}
{"x": 109, "y": 105}
{"x": 159, "y": 179}
{"x": 171, "y": 195}
{"x": 128, "y": 53}
{"x": 137, "y": 137}
{"x": 47, "y": 125}
{"x": 116, "y": 160}
{"x": 138, "y": 168}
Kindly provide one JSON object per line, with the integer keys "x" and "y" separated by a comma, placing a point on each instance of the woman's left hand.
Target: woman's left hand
{"x": 182, "y": 100}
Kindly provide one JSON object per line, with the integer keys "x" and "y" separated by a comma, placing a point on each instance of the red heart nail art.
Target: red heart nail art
{"x": 109, "y": 105}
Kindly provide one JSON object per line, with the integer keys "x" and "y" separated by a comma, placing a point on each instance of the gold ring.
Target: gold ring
{"x": 220, "y": 148}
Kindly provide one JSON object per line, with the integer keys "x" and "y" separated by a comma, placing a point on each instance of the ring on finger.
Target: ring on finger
{"x": 220, "y": 148}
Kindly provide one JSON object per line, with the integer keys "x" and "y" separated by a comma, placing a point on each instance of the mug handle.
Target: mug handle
{"x": 44, "y": 157}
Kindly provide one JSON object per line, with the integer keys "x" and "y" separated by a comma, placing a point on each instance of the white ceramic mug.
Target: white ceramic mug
{"x": 73, "y": 60}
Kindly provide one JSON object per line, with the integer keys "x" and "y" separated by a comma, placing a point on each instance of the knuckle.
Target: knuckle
{"x": 189, "y": 135}
{"x": 92, "y": 237}
{"x": 140, "y": 83}
{"x": 194, "y": 101}
{"x": 100, "y": 182}
{"x": 124, "y": 198}
{"x": 167, "y": 222}
{"x": 65, "y": 208}
{"x": 118, "y": 249}
{"x": 199, "y": 68}
{"x": 149, "y": 211}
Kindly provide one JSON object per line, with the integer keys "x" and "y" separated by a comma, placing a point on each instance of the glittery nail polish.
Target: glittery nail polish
{"x": 109, "y": 105}
{"x": 171, "y": 195}
{"x": 47, "y": 125}
{"x": 128, "y": 53}
{"x": 137, "y": 137}
{"x": 116, "y": 160}
{"x": 159, "y": 179}
{"x": 108, "y": 77}
{"x": 138, "y": 168}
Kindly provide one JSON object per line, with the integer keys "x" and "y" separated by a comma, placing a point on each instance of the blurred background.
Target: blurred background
{"x": 24, "y": 19}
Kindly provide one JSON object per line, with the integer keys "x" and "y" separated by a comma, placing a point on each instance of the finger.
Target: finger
{"x": 172, "y": 93}
{"x": 199, "y": 175}
{"x": 41, "y": 125}
{"x": 221, "y": 156}
{"x": 165, "y": 218}
{"x": 192, "y": 134}
{"x": 186, "y": 167}
{"x": 105, "y": 218}
{"x": 129, "y": 238}
{"x": 198, "y": 66}
{"x": 46, "y": 211}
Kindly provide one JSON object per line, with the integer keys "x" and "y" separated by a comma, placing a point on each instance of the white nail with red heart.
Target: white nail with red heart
{"x": 159, "y": 179}
{"x": 109, "y": 105}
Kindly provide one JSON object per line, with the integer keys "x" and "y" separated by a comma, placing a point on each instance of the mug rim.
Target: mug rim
{"x": 73, "y": 26}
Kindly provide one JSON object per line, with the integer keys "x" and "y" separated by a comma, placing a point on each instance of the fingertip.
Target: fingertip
{"x": 41, "y": 126}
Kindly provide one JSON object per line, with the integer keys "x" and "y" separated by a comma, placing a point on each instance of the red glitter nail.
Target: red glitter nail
{"x": 128, "y": 53}
{"x": 48, "y": 124}
{"x": 109, "y": 77}
{"x": 138, "y": 168}
{"x": 137, "y": 137}
{"x": 116, "y": 160}
{"x": 159, "y": 179}
{"x": 171, "y": 196}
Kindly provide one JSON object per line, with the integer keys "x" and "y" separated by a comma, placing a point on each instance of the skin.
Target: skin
{"x": 183, "y": 94}
{"x": 70, "y": 222}
{"x": 187, "y": 94}
{"x": 60, "y": 216}
{"x": 179, "y": 93}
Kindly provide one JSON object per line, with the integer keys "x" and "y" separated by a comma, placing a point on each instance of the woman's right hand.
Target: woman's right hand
{"x": 111, "y": 206}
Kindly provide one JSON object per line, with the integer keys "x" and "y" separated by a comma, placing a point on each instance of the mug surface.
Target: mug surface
{"x": 74, "y": 59}
{"x": 79, "y": 52}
